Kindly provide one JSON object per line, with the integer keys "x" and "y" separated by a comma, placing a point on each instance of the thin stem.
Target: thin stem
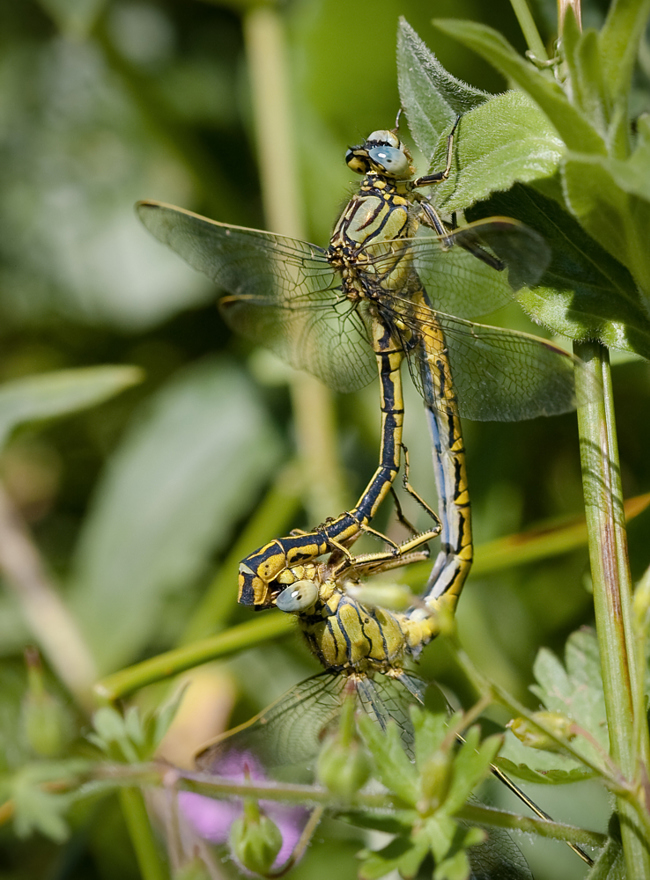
{"x": 142, "y": 837}
{"x": 49, "y": 620}
{"x": 612, "y": 587}
{"x": 215, "y": 786}
{"x": 314, "y": 413}
{"x": 237, "y": 638}
{"x": 529, "y": 29}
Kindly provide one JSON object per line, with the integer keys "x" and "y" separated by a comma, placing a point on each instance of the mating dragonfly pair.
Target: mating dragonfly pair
{"x": 347, "y": 313}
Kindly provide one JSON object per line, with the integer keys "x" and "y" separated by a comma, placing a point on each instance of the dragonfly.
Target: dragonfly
{"x": 363, "y": 305}
{"x": 363, "y": 649}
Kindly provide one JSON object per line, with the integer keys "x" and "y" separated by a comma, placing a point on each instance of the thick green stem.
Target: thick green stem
{"x": 142, "y": 837}
{"x": 237, "y": 638}
{"x": 612, "y": 588}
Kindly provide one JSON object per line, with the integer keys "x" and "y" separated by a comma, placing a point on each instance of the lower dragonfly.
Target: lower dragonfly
{"x": 363, "y": 649}
{"x": 364, "y": 302}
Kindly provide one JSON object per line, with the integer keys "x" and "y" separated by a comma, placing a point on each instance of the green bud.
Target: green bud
{"x": 534, "y": 738}
{"x": 343, "y": 768}
{"x": 46, "y": 722}
{"x": 255, "y": 840}
{"x": 194, "y": 870}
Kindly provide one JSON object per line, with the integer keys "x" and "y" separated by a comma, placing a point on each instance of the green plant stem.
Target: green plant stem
{"x": 279, "y": 173}
{"x": 237, "y": 638}
{"x": 214, "y": 786}
{"x": 141, "y": 834}
{"x": 612, "y": 588}
{"x": 529, "y": 29}
{"x": 543, "y": 541}
{"x": 501, "y": 696}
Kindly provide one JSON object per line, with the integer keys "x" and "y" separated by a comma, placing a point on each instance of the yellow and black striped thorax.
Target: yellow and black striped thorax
{"x": 381, "y": 212}
{"x": 346, "y": 635}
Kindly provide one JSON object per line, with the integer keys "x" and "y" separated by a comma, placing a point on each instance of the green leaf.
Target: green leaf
{"x": 503, "y": 141}
{"x": 39, "y": 810}
{"x": 585, "y": 293}
{"x": 172, "y": 494}
{"x": 582, "y": 54}
{"x": 56, "y": 394}
{"x": 393, "y": 767}
{"x": 575, "y": 689}
{"x": 401, "y": 855}
{"x": 430, "y": 729}
{"x": 471, "y": 766}
{"x": 610, "y": 864}
{"x": 399, "y": 822}
{"x": 573, "y": 128}
{"x": 430, "y": 95}
{"x": 612, "y": 201}
{"x": 619, "y": 44}
{"x": 537, "y": 774}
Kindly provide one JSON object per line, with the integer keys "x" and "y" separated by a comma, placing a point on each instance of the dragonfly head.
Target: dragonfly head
{"x": 382, "y": 153}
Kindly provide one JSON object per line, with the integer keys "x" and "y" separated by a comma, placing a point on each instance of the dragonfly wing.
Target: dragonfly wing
{"x": 282, "y": 292}
{"x": 459, "y": 271}
{"x": 388, "y": 699}
{"x": 290, "y": 731}
{"x": 498, "y": 858}
{"x": 498, "y": 375}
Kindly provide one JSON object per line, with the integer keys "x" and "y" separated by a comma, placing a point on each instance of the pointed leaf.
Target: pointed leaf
{"x": 47, "y": 395}
{"x": 400, "y": 855}
{"x": 571, "y": 125}
{"x": 171, "y": 496}
{"x": 619, "y": 43}
{"x": 611, "y": 200}
{"x": 503, "y": 141}
{"x": 430, "y": 95}
{"x": 393, "y": 767}
{"x": 471, "y": 766}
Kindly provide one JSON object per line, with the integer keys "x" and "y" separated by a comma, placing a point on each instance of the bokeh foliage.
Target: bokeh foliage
{"x": 137, "y": 503}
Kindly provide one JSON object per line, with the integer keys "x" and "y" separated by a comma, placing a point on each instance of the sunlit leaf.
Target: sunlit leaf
{"x": 48, "y": 395}
{"x": 573, "y": 128}
{"x": 430, "y": 95}
{"x": 171, "y": 496}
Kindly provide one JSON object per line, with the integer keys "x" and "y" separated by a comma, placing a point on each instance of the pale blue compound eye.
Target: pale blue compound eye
{"x": 297, "y": 597}
{"x": 392, "y": 160}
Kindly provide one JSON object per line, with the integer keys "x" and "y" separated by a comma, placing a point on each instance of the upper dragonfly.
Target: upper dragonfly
{"x": 362, "y": 305}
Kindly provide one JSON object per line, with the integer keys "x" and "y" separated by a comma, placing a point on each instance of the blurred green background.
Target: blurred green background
{"x": 135, "y": 504}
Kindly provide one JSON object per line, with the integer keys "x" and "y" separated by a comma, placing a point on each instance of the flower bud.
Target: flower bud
{"x": 535, "y": 738}
{"x": 255, "y": 840}
{"x": 343, "y": 768}
{"x": 46, "y": 722}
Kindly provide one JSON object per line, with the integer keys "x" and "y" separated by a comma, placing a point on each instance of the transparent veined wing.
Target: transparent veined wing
{"x": 497, "y": 374}
{"x": 502, "y": 375}
{"x": 283, "y": 293}
{"x": 498, "y": 858}
{"x": 291, "y": 730}
{"x": 453, "y": 267}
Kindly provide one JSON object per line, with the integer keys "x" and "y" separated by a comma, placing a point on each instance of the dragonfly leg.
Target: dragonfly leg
{"x": 412, "y": 492}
